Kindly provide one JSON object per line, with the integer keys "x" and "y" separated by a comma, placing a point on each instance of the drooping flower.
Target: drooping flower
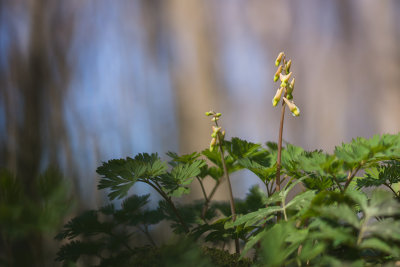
{"x": 289, "y": 90}
{"x": 288, "y": 65}
{"x": 285, "y": 79}
{"x": 279, "y": 58}
{"x": 277, "y": 97}
{"x": 213, "y": 143}
{"x": 276, "y": 76}
{"x": 293, "y": 108}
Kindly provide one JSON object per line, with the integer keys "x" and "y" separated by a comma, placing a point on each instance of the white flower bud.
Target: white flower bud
{"x": 293, "y": 108}
{"x": 277, "y": 97}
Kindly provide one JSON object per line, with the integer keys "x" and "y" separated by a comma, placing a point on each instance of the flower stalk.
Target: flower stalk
{"x": 217, "y": 140}
{"x": 285, "y": 89}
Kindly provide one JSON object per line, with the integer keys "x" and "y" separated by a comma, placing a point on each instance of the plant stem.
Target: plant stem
{"x": 351, "y": 176}
{"x": 337, "y": 182}
{"x": 278, "y": 161}
{"x": 208, "y": 199}
{"x": 202, "y": 188}
{"x": 232, "y": 203}
{"x": 362, "y": 230}
{"x": 157, "y": 187}
{"x": 268, "y": 192}
{"x": 391, "y": 189}
{"x": 145, "y": 231}
{"x": 123, "y": 242}
{"x": 284, "y": 208}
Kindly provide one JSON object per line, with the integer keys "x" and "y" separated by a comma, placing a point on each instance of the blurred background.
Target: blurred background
{"x": 82, "y": 82}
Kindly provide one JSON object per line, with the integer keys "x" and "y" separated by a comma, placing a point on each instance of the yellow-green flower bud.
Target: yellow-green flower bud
{"x": 214, "y": 119}
{"x": 293, "y": 108}
{"x": 292, "y": 84}
{"x": 277, "y": 97}
{"x": 209, "y": 113}
{"x": 276, "y": 77}
{"x": 288, "y": 65}
{"x": 218, "y": 115}
{"x": 213, "y": 143}
{"x": 290, "y": 88}
{"x": 216, "y": 129}
{"x": 214, "y": 134}
{"x": 279, "y": 58}
{"x": 285, "y": 78}
{"x": 223, "y": 134}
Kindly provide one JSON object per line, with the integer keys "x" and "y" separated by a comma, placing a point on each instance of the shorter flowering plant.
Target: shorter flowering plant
{"x": 285, "y": 88}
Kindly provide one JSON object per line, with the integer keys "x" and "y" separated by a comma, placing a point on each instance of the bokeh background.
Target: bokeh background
{"x": 82, "y": 82}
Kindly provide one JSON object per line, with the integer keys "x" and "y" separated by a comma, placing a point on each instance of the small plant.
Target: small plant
{"x": 286, "y": 89}
{"x": 332, "y": 222}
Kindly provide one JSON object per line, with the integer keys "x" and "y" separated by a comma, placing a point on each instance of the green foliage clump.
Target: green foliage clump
{"x": 330, "y": 221}
{"x": 25, "y": 215}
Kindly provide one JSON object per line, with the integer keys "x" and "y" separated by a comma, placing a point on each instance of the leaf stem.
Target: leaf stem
{"x": 362, "y": 230}
{"x": 208, "y": 200}
{"x": 351, "y": 176}
{"x": 145, "y": 231}
{"x": 337, "y": 182}
{"x": 157, "y": 187}
{"x": 284, "y": 208}
{"x": 268, "y": 191}
{"x": 391, "y": 189}
{"x": 202, "y": 188}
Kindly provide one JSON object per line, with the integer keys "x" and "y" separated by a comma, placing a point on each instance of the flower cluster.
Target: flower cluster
{"x": 286, "y": 87}
{"x": 217, "y": 135}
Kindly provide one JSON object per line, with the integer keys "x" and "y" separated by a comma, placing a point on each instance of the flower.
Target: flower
{"x": 289, "y": 90}
{"x": 293, "y": 108}
{"x": 276, "y": 77}
{"x": 277, "y": 97}
{"x": 213, "y": 143}
{"x": 285, "y": 79}
{"x": 288, "y": 65}
{"x": 279, "y": 58}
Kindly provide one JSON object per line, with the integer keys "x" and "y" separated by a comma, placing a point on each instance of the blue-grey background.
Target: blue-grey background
{"x": 82, "y": 82}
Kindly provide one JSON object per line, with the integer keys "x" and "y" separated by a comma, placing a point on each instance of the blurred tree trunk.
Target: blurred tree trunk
{"x": 34, "y": 87}
{"x": 193, "y": 71}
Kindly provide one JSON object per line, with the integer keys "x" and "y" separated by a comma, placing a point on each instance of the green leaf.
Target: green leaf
{"x": 131, "y": 208}
{"x": 310, "y": 250}
{"x": 119, "y": 175}
{"x": 380, "y": 204}
{"x": 253, "y": 240}
{"x": 87, "y": 224}
{"x": 239, "y": 148}
{"x": 387, "y": 229}
{"x": 188, "y": 158}
{"x": 75, "y": 249}
{"x": 377, "y": 244}
{"x": 386, "y": 173}
{"x": 275, "y": 250}
{"x": 254, "y": 218}
{"x": 340, "y": 212}
{"x": 181, "y": 176}
{"x": 215, "y": 157}
{"x": 262, "y": 168}
{"x": 369, "y": 151}
{"x": 329, "y": 232}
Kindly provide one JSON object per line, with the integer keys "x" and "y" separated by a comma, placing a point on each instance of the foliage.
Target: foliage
{"x": 24, "y": 215}
{"x": 331, "y": 221}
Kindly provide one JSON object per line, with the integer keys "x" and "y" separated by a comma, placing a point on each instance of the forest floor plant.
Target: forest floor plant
{"x": 334, "y": 221}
